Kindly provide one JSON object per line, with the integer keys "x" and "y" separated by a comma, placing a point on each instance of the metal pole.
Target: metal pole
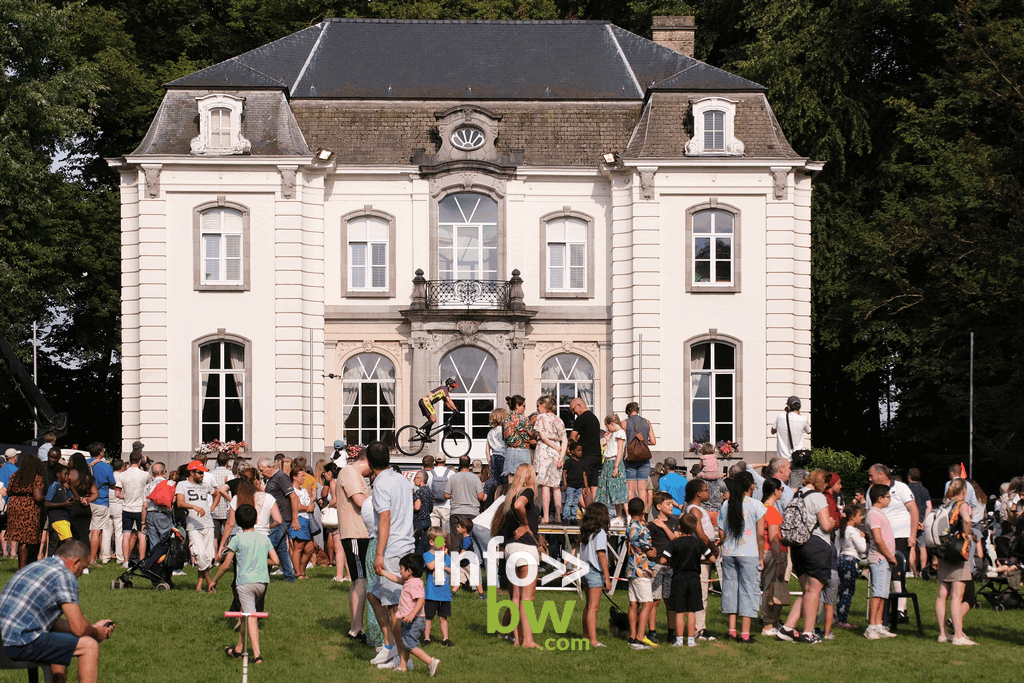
{"x": 640, "y": 374}
{"x": 970, "y": 447}
{"x": 311, "y": 396}
{"x": 35, "y": 380}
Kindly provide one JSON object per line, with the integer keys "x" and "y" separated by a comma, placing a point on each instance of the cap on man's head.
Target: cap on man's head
{"x": 339, "y": 444}
{"x": 12, "y": 453}
{"x": 138, "y": 445}
{"x": 478, "y": 466}
{"x": 670, "y": 463}
{"x": 793, "y": 402}
{"x": 197, "y": 466}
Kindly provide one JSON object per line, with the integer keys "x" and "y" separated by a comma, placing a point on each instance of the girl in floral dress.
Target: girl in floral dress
{"x": 517, "y": 432}
{"x": 611, "y": 488}
{"x": 552, "y": 444}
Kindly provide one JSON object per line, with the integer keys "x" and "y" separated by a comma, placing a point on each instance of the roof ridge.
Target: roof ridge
{"x": 256, "y": 71}
{"x": 625, "y": 61}
{"x": 466, "y": 21}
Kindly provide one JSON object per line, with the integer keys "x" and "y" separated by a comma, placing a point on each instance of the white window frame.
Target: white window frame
{"x": 547, "y": 290}
{"x": 736, "y": 375}
{"x": 691, "y": 285}
{"x": 205, "y": 143}
{"x": 697, "y": 144}
{"x": 369, "y": 364}
{"x": 199, "y": 233}
{"x": 550, "y": 386}
{"x": 347, "y": 240}
{"x": 469, "y": 211}
{"x": 197, "y": 385}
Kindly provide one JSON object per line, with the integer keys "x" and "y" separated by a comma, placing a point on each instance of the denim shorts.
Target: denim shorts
{"x": 638, "y": 471}
{"x": 593, "y": 579}
{"x": 497, "y": 467}
{"x": 49, "y": 648}
{"x": 386, "y": 590}
{"x": 741, "y": 586}
{"x": 881, "y": 577}
{"x": 412, "y": 632}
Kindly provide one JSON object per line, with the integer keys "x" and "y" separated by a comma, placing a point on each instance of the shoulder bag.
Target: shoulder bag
{"x": 637, "y": 450}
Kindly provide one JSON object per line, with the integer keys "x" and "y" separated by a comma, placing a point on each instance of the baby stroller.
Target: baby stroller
{"x": 1002, "y": 589}
{"x": 166, "y": 556}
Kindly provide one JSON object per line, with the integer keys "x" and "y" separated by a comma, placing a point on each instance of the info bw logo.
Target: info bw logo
{"x": 549, "y": 610}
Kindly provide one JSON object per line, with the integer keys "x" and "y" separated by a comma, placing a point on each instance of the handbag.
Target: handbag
{"x": 314, "y": 526}
{"x": 799, "y": 458}
{"x": 637, "y": 450}
{"x": 329, "y": 517}
{"x": 778, "y": 593}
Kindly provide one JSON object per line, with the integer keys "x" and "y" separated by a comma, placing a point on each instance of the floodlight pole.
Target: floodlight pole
{"x": 970, "y": 419}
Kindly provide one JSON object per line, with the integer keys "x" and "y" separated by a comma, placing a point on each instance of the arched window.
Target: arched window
{"x": 713, "y": 391}
{"x": 467, "y": 237}
{"x": 368, "y": 398}
{"x": 222, "y": 382}
{"x": 567, "y": 376}
{"x": 713, "y": 238}
{"x": 476, "y": 373}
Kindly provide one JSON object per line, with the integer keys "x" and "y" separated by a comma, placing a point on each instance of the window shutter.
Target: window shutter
{"x": 577, "y": 266}
{"x": 556, "y": 263}
{"x": 358, "y": 266}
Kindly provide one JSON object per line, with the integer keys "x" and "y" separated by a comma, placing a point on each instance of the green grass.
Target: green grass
{"x": 179, "y": 636}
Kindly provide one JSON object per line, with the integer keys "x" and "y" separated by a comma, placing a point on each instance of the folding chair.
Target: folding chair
{"x": 33, "y": 667}
{"x": 891, "y": 615}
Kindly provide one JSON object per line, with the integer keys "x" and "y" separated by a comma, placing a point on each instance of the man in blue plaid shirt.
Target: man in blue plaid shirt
{"x": 31, "y": 607}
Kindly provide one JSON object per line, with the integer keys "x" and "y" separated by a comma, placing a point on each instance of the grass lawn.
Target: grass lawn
{"x": 179, "y": 636}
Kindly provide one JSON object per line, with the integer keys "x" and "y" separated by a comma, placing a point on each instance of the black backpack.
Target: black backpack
{"x": 177, "y": 550}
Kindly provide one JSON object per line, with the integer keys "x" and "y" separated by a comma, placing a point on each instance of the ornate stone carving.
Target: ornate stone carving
{"x": 152, "y": 181}
{"x": 288, "y": 183}
{"x": 780, "y": 178}
{"x": 566, "y": 346}
{"x": 513, "y": 342}
{"x": 647, "y": 182}
{"x": 468, "y": 328}
{"x": 367, "y": 345}
{"x": 237, "y": 144}
{"x": 421, "y": 343}
{"x": 467, "y": 181}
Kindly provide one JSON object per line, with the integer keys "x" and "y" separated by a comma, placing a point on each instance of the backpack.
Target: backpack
{"x": 177, "y": 550}
{"x": 952, "y": 546}
{"x": 163, "y": 494}
{"x": 797, "y": 523}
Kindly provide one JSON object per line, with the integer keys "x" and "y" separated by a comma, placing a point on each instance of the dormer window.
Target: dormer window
{"x": 220, "y": 126}
{"x": 714, "y": 131}
{"x": 714, "y": 120}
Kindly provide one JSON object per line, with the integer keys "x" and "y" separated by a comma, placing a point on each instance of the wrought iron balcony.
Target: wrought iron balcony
{"x": 474, "y": 294}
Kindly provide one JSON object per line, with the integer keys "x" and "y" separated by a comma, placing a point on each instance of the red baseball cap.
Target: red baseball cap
{"x": 197, "y": 466}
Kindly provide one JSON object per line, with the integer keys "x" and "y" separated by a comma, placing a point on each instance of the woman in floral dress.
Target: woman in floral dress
{"x": 24, "y": 508}
{"x": 517, "y": 432}
{"x": 552, "y": 444}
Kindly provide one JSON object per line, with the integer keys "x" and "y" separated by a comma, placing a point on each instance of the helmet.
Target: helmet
{"x": 451, "y": 383}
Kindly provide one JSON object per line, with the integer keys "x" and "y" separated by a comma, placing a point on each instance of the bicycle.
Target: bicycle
{"x": 455, "y": 442}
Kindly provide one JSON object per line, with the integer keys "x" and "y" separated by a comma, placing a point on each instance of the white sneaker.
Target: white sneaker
{"x": 432, "y": 667}
{"x": 125, "y": 565}
{"x": 178, "y": 572}
{"x": 85, "y": 571}
{"x": 277, "y": 572}
{"x": 679, "y": 642}
{"x": 769, "y": 632}
{"x": 872, "y": 633}
{"x": 390, "y": 664}
{"x": 886, "y": 633}
{"x": 384, "y": 655}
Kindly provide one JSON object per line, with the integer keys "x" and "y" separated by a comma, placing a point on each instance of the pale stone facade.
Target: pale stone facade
{"x": 301, "y": 303}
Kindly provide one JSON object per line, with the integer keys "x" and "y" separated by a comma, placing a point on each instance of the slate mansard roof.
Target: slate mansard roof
{"x": 567, "y": 92}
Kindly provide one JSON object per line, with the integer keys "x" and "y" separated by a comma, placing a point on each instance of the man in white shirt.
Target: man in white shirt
{"x": 49, "y": 438}
{"x": 903, "y": 517}
{"x": 789, "y": 429}
{"x": 133, "y": 486}
{"x": 198, "y": 497}
{"x": 219, "y": 476}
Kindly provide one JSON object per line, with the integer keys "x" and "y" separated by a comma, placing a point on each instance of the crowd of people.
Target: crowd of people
{"x": 392, "y": 536}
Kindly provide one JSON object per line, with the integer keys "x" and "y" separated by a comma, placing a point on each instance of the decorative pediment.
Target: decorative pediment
{"x": 468, "y": 133}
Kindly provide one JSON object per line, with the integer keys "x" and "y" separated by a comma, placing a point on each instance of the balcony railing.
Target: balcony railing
{"x": 480, "y": 294}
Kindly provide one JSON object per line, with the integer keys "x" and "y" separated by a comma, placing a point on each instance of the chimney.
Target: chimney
{"x": 675, "y": 33}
